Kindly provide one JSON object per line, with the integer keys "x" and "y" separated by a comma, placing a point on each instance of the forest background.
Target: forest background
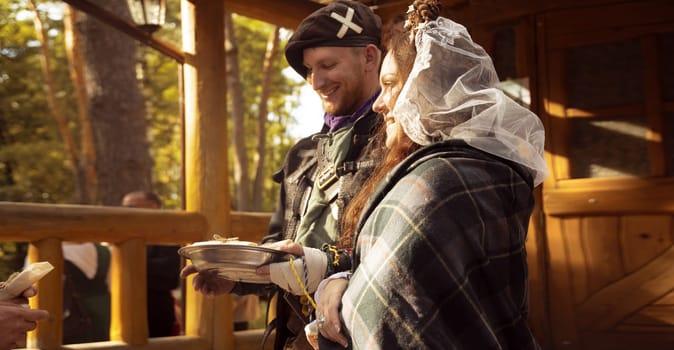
{"x": 87, "y": 114}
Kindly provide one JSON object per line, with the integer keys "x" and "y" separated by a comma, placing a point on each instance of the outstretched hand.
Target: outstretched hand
{"x": 207, "y": 282}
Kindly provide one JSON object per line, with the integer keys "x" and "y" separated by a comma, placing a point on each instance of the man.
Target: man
{"x": 336, "y": 49}
{"x": 17, "y": 318}
{"x": 163, "y": 266}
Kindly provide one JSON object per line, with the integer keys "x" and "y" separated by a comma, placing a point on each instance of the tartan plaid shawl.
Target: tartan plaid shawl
{"x": 441, "y": 256}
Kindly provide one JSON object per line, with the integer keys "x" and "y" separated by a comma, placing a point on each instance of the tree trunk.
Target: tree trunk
{"x": 269, "y": 59}
{"x": 56, "y": 112}
{"x": 115, "y": 106}
{"x": 76, "y": 67}
{"x": 241, "y": 174}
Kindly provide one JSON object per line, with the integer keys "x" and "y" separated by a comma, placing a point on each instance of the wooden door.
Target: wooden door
{"x": 607, "y": 98}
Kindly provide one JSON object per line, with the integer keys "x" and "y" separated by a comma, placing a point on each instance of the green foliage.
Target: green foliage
{"x": 252, "y": 36}
{"x": 161, "y": 90}
{"x": 11, "y": 258}
{"x": 34, "y": 166}
{"x": 30, "y": 182}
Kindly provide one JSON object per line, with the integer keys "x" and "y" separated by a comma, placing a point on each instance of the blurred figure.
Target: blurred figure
{"x": 163, "y": 267}
{"x": 86, "y": 292}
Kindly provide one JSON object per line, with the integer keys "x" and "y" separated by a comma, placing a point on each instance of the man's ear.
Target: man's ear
{"x": 372, "y": 57}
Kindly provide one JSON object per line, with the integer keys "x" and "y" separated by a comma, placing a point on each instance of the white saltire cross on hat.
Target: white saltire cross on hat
{"x": 346, "y": 22}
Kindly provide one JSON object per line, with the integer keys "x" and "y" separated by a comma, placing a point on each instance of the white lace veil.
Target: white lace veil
{"x": 451, "y": 94}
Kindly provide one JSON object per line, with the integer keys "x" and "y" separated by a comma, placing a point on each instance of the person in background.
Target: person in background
{"x": 86, "y": 292}
{"x": 336, "y": 49}
{"x": 439, "y": 230}
{"x": 163, "y": 268}
{"x": 17, "y": 318}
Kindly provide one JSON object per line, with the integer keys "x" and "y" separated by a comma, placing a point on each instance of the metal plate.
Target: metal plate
{"x": 235, "y": 262}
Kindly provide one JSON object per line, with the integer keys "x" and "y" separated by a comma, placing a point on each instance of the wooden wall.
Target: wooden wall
{"x": 609, "y": 202}
{"x": 601, "y": 77}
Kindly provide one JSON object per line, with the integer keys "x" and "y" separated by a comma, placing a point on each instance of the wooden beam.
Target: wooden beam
{"x": 243, "y": 340}
{"x": 28, "y": 222}
{"x": 163, "y": 343}
{"x": 287, "y": 13}
{"x": 629, "y": 196}
{"x": 128, "y": 28}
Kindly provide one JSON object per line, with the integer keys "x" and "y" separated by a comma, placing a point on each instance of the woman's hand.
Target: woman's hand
{"x": 207, "y": 282}
{"x": 327, "y": 311}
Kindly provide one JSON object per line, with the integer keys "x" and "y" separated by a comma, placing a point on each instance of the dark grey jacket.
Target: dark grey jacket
{"x": 303, "y": 166}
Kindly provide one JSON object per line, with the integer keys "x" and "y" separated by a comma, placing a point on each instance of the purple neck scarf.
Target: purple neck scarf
{"x": 335, "y": 122}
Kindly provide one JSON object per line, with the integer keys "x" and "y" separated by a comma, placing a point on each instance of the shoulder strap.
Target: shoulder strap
{"x": 363, "y": 130}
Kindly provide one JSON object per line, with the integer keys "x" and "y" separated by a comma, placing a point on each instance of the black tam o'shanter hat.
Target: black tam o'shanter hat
{"x": 342, "y": 23}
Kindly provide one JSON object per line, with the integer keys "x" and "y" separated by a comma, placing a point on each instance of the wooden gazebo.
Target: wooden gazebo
{"x": 600, "y": 74}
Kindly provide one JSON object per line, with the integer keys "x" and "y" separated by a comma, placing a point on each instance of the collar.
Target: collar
{"x": 336, "y": 122}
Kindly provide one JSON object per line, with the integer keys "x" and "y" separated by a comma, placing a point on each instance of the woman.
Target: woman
{"x": 439, "y": 231}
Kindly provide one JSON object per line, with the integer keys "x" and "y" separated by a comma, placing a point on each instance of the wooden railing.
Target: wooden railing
{"x": 126, "y": 231}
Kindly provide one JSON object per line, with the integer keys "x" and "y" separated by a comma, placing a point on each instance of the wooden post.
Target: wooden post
{"x": 128, "y": 306}
{"x": 206, "y": 174}
{"x": 49, "y": 334}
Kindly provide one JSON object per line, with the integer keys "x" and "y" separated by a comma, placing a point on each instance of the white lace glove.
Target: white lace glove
{"x": 283, "y": 275}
